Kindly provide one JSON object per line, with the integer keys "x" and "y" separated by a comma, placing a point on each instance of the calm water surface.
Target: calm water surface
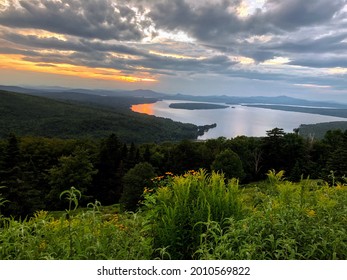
{"x": 234, "y": 121}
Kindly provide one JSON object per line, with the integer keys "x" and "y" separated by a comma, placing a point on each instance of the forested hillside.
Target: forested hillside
{"x": 36, "y": 170}
{"x": 37, "y": 116}
{"x": 318, "y": 130}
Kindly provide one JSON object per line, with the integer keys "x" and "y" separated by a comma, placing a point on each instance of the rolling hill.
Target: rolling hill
{"x": 24, "y": 114}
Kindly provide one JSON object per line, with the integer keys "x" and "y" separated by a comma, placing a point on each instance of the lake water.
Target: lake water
{"x": 234, "y": 121}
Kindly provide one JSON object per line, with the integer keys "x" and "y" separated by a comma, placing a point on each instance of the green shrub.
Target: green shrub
{"x": 178, "y": 211}
{"x": 135, "y": 181}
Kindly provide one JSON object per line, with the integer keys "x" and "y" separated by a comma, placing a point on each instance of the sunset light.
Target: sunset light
{"x": 18, "y": 62}
{"x": 186, "y": 46}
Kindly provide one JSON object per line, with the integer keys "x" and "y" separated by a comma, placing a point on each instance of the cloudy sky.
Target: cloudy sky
{"x": 201, "y": 47}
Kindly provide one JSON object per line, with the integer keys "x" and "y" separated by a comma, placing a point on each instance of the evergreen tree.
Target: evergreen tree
{"x": 273, "y": 149}
{"x": 135, "y": 181}
{"x": 107, "y": 185}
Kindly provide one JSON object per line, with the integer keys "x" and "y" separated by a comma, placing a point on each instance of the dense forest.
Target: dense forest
{"x": 85, "y": 116}
{"x": 35, "y": 170}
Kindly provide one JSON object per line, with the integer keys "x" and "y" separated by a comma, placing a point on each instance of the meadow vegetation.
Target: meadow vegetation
{"x": 197, "y": 215}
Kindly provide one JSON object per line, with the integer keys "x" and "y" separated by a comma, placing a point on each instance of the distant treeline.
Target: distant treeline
{"x": 35, "y": 170}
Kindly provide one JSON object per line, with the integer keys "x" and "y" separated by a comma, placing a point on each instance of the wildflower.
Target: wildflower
{"x": 42, "y": 245}
{"x": 41, "y": 214}
{"x": 311, "y": 213}
{"x": 147, "y": 190}
{"x": 122, "y": 227}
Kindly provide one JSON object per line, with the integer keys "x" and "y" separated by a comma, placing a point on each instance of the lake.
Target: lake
{"x": 235, "y": 120}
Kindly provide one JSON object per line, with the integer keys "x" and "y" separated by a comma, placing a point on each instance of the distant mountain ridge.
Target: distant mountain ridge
{"x": 99, "y": 92}
{"x": 150, "y": 94}
{"x": 277, "y": 100}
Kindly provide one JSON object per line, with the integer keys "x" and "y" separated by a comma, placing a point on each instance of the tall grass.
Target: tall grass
{"x": 179, "y": 210}
{"x": 86, "y": 235}
{"x": 299, "y": 221}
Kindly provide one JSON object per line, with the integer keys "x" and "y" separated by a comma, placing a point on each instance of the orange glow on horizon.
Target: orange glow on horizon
{"x": 16, "y": 62}
{"x": 143, "y": 108}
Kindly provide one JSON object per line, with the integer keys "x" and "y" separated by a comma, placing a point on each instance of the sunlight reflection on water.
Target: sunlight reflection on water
{"x": 235, "y": 120}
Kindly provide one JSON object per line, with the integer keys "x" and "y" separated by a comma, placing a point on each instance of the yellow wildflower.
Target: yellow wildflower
{"x": 311, "y": 213}
{"x": 42, "y": 245}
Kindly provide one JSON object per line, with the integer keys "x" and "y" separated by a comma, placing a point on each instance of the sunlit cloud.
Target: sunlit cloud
{"x": 172, "y": 55}
{"x": 337, "y": 71}
{"x": 277, "y": 61}
{"x": 244, "y": 60}
{"x": 259, "y": 39}
{"x": 17, "y": 62}
{"x": 248, "y": 7}
{"x": 313, "y": 86}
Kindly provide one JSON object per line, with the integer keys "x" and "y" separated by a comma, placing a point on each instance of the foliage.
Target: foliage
{"x": 178, "y": 210}
{"x": 87, "y": 235}
{"x": 74, "y": 170}
{"x": 2, "y": 200}
{"x": 40, "y": 168}
{"x": 135, "y": 181}
{"x": 300, "y": 221}
{"x": 229, "y": 163}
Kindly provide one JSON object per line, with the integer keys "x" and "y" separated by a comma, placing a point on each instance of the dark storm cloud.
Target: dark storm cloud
{"x": 333, "y": 43}
{"x": 102, "y": 19}
{"x": 292, "y": 14}
{"x": 218, "y": 25}
{"x": 208, "y": 23}
{"x": 219, "y": 22}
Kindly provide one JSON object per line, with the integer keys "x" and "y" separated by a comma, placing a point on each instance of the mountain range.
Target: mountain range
{"x": 151, "y": 96}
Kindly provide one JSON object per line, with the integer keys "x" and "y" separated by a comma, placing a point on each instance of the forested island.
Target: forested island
{"x": 197, "y": 106}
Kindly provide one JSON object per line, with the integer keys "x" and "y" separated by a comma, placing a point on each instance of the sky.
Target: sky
{"x": 199, "y": 47}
